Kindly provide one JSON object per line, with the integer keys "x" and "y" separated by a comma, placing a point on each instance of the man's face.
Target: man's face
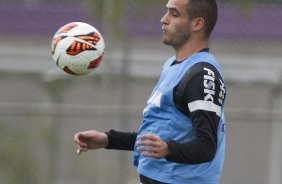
{"x": 175, "y": 23}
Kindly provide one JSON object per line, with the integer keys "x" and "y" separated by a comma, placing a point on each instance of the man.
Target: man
{"x": 182, "y": 136}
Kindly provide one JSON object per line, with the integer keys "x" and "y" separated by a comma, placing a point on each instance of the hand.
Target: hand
{"x": 153, "y": 146}
{"x": 91, "y": 139}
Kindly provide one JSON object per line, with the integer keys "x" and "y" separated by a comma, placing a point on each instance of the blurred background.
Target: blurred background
{"x": 41, "y": 108}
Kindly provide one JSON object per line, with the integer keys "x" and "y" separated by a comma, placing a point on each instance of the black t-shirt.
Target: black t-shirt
{"x": 199, "y": 95}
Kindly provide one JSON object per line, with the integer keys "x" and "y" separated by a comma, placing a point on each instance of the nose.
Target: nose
{"x": 164, "y": 19}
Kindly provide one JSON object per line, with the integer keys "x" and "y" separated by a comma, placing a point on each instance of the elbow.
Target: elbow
{"x": 209, "y": 157}
{"x": 209, "y": 153}
{"x": 207, "y": 150}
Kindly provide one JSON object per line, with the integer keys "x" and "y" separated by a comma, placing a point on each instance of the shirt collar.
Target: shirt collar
{"x": 203, "y": 50}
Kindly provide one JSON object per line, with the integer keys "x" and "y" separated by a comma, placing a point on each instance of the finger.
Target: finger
{"x": 152, "y": 141}
{"x": 82, "y": 148}
{"x": 148, "y": 144}
{"x": 151, "y": 137}
{"x": 151, "y": 154}
{"x": 79, "y": 150}
{"x": 82, "y": 145}
{"x": 147, "y": 148}
{"x": 77, "y": 137}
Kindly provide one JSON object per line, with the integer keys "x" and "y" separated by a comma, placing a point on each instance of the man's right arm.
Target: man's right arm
{"x": 121, "y": 140}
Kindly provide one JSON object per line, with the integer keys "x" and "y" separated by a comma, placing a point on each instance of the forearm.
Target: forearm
{"x": 194, "y": 152}
{"x": 203, "y": 147}
{"x": 121, "y": 140}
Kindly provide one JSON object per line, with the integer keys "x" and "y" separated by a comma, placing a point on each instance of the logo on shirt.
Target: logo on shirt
{"x": 223, "y": 127}
{"x": 155, "y": 99}
{"x": 209, "y": 85}
{"x": 222, "y": 92}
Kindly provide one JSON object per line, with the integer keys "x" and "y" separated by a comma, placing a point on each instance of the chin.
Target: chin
{"x": 166, "y": 42}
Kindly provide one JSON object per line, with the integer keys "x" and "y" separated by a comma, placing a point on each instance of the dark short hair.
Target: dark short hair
{"x": 206, "y": 9}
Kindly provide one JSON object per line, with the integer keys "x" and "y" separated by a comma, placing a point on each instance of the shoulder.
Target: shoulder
{"x": 199, "y": 72}
{"x": 202, "y": 82}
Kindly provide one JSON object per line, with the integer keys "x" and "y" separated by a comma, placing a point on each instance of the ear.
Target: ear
{"x": 198, "y": 24}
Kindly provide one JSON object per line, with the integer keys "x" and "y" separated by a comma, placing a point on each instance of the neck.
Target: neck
{"x": 189, "y": 48}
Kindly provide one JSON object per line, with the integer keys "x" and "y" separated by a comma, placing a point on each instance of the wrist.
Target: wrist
{"x": 107, "y": 140}
{"x": 167, "y": 150}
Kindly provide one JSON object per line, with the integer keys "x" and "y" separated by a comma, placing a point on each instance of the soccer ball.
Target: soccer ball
{"x": 77, "y": 48}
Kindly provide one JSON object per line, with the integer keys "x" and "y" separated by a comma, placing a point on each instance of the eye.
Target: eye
{"x": 174, "y": 13}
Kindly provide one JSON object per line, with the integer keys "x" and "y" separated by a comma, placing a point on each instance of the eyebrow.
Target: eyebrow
{"x": 173, "y": 9}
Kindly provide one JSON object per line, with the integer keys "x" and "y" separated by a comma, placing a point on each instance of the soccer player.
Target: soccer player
{"x": 181, "y": 139}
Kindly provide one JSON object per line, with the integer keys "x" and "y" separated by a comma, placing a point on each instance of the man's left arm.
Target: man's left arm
{"x": 204, "y": 93}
